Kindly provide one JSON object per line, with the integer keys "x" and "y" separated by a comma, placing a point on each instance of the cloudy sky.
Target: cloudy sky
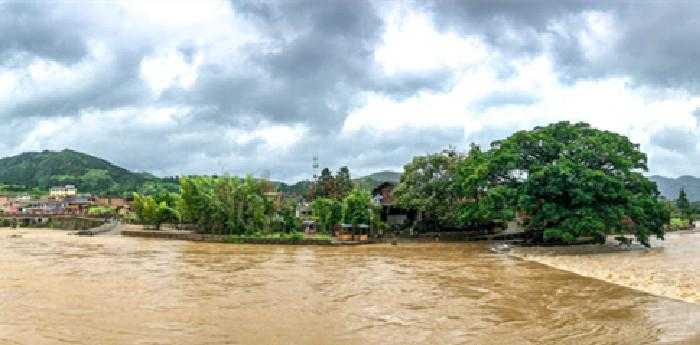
{"x": 260, "y": 87}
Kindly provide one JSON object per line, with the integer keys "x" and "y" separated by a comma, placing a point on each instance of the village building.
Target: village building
{"x": 121, "y": 205}
{"x": 391, "y": 214}
{"x": 41, "y": 207}
{"x": 277, "y": 198}
{"x": 5, "y": 202}
{"x": 303, "y": 210}
{"x": 78, "y": 204}
{"x": 63, "y": 191}
{"x": 23, "y": 197}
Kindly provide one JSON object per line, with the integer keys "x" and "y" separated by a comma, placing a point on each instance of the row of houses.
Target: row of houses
{"x": 60, "y": 200}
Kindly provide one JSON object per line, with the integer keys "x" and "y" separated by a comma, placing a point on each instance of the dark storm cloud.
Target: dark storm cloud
{"x": 654, "y": 44}
{"x": 314, "y": 75}
{"x": 34, "y": 29}
{"x": 51, "y": 32}
{"x": 515, "y": 27}
{"x": 117, "y": 85}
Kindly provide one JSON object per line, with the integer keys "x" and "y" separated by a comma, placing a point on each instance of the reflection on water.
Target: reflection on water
{"x": 57, "y": 288}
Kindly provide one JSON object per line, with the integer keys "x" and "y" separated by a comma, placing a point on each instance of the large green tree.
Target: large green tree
{"x": 343, "y": 183}
{"x": 151, "y": 211}
{"x": 328, "y": 211}
{"x": 357, "y": 207}
{"x": 428, "y": 185}
{"x": 334, "y": 187}
{"x": 484, "y": 200}
{"x": 572, "y": 181}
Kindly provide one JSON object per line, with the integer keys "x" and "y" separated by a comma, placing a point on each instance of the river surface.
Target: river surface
{"x": 57, "y": 288}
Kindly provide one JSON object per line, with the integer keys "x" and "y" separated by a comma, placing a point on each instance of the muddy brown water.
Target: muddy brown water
{"x": 57, "y": 288}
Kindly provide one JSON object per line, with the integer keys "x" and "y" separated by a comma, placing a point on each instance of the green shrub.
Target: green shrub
{"x": 296, "y": 236}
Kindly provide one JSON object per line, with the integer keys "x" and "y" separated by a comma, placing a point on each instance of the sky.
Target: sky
{"x": 260, "y": 87}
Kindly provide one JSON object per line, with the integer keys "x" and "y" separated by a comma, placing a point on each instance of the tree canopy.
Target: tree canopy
{"x": 329, "y": 186}
{"x": 329, "y": 212}
{"x": 428, "y": 186}
{"x": 572, "y": 180}
{"x": 226, "y": 205}
{"x": 684, "y": 207}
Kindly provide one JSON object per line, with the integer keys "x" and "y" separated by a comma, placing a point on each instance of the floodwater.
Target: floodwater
{"x": 670, "y": 268}
{"x": 57, "y": 288}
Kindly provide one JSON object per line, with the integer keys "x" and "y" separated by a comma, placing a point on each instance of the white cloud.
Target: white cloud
{"x": 275, "y": 137}
{"x": 170, "y": 69}
{"x": 411, "y": 43}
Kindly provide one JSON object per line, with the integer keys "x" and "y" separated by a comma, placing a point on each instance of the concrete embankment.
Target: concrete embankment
{"x": 190, "y": 236}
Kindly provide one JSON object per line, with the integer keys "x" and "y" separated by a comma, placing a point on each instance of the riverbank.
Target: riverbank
{"x": 671, "y": 268}
{"x": 191, "y": 236}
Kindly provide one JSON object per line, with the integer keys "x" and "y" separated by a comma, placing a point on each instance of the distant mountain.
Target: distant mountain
{"x": 669, "y": 187}
{"x": 48, "y": 168}
{"x": 372, "y": 180}
{"x": 301, "y": 188}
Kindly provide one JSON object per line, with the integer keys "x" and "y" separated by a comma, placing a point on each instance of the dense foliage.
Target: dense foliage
{"x": 484, "y": 202}
{"x": 684, "y": 207}
{"x": 564, "y": 181}
{"x": 226, "y": 205}
{"x": 428, "y": 186}
{"x": 156, "y": 209}
{"x": 571, "y": 181}
{"x": 329, "y": 186}
{"x": 357, "y": 207}
{"x": 328, "y": 212}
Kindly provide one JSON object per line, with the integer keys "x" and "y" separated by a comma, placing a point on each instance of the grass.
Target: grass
{"x": 678, "y": 224}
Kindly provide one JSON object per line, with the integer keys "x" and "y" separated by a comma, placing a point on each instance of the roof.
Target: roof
{"x": 382, "y": 186}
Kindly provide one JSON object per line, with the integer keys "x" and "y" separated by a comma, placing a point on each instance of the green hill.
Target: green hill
{"x": 372, "y": 180}
{"x": 44, "y": 169}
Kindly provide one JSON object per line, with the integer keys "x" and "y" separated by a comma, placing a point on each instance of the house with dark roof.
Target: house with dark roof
{"x": 391, "y": 214}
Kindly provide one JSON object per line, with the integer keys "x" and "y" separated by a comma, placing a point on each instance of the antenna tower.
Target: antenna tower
{"x": 314, "y": 166}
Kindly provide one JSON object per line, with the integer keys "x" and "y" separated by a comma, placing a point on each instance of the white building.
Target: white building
{"x": 62, "y": 192}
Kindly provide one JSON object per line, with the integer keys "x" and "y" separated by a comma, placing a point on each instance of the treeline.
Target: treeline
{"x": 562, "y": 182}
{"x": 219, "y": 205}
{"x": 335, "y": 199}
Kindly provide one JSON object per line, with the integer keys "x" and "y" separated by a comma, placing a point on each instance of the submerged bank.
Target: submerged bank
{"x": 671, "y": 268}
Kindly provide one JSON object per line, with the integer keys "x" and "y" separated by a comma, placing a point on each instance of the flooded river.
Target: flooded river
{"x": 57, "y": 288}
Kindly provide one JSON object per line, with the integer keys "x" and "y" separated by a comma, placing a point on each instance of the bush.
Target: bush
{"x": 296, "y": 236}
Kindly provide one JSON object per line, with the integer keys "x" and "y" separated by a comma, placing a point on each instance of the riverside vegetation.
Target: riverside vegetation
{"x": 563, "y": 182}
